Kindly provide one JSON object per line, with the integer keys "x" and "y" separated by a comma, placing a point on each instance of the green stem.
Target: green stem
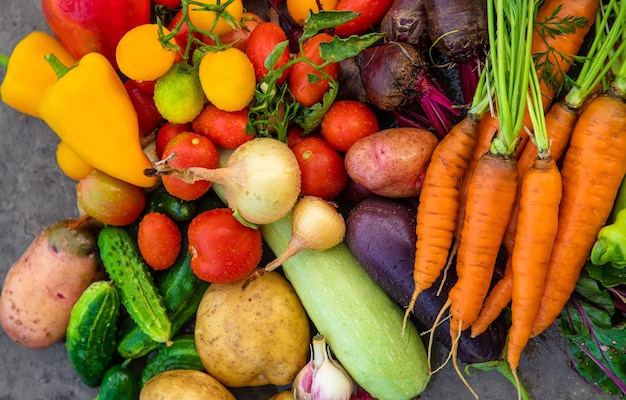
{"x": 59, "y": 68}
{"x": 4, "y": 60}
{"x": 601, "y": 56}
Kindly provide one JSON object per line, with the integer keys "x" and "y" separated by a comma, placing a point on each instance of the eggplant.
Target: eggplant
{"x": 380, "y": 233}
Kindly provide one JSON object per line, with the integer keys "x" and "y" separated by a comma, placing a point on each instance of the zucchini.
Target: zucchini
{"x": 181, "y": 354}
{"x": 181, "y": 291}
{"x": 362, "y": 324}
{"x": 123, "y": 262}
{"x": 91, "y": 331}
{"x": 119, "y": 382}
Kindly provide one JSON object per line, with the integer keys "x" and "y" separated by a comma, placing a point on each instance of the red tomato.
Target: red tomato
{"x": 226, "y": 129}
{"x": 371, "y": 12}
{"x": 183, "y": 34}
{"x": 159, "y": 240}
{"x": 168, "y": 3}
{"x": 262, "y": 41}
{"x": 238, "y": 37}
{"x": 148, "y": 116}
{"x": 305, "y": 92}
{"x": 165, "y": 133}
{"x": 322, "y": 167}
{"x": 192, "y": 150}
{"x": 295, "y": 136}
{"x": 222, "y": 249}
{"x": 347, "y": 121}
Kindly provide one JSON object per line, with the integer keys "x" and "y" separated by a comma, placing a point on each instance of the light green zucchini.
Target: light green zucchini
{"x": 361, "y": 324}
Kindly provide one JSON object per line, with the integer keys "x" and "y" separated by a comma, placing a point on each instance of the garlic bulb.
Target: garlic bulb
{"x": 322, "y": 378}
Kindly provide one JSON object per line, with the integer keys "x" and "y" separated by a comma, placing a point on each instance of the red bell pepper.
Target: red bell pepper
{"x": 84, "y": 26}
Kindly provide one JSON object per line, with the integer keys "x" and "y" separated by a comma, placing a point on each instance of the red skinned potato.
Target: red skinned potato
{"x": 391, "y": 162}
{"x": 46, "y": 281}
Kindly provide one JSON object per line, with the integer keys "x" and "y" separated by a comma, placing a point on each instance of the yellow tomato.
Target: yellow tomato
{"x": 71, "y": 165}
{"x": 141, "y": 56}
{"x": 205, "y": 19}
{"x": 227, "y": 79}
{"x": 299, "y": 9}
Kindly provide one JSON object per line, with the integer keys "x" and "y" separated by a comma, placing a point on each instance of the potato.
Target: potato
{"x": 252, "y": 337}
{"x": 284, "y": 395}
{"x": 391, "y": 162}
{"x": 184, "y": 384}
{"x": 43, "y": 285}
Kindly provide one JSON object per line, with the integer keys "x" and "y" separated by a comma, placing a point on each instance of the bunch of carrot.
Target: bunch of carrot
{"x": 488, "y": 185}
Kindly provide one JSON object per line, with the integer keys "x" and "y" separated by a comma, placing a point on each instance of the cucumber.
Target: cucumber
{"x": 181, "y": 291}
{"x": 361, "y": 324}
{"x": 178, "y": 210}
{"x": 181, "y": 354}
{"x": 119, "y": 382}
{"x": 91, "y": 331}
{"x": 138, "y": 293}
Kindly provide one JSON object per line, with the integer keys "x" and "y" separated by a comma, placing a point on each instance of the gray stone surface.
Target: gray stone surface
{"x": 34, "y": 193}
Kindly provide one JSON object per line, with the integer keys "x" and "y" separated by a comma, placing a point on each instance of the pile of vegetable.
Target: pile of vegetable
{"x": 308, "y": 195}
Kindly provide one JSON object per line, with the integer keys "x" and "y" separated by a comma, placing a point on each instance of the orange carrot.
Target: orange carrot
{"x": 498, "y": 298}
{"x": 560, "y": 30}
{"x": 592, "y": 171}
{"x": 439, "y": 204}
{"x": 536, "y": 228}
{"x": 491, "y": 193}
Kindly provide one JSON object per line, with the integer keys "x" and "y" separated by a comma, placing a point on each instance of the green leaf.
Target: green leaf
{"x": 610, "y": 275}
{"x": 339, "y": 49}
{"x": 311, "y": 117}
{"x": 275, "y": 55}
{"x": 319, "y": 21}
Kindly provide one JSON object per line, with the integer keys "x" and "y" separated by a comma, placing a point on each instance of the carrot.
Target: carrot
{"x": 492, "y": 185}
{"x": 536, "y": 227}
{"x": 439, "y": 199}
{"x": 559, "y": 122}
{"x": 560, "y": 30}
{"x": 592, "y": 171}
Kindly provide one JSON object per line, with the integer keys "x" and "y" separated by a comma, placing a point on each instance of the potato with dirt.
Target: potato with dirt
{"x": 252, "y": 337}
{"x": 392, "y": 162}
{"x": 184, "y": 384}
{"x": 43, "y": 285}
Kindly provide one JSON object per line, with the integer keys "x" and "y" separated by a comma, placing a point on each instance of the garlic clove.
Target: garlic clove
{"x": 322, "y": 378}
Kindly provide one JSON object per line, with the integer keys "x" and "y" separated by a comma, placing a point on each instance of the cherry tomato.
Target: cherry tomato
{"x": 159, "y": 240}
{"x": 110, "y": 200}
{"x": 299, "y": 9}
{"x": 141, "y": 56}
{"x": 305, "y": 92}
{"x": 227, "y": 78}
{"x": 182, "y": 36}
{"x": 166, "y": 132}
{"x": 322, "y": 167}
{"x": 371, "y": 12}
{"x": 192, "y": 150}
{"x": 295, "y": 136}
{"x": 148, "y": 116}
{"x": 261, "y": 43}
{"x": 238, "y": 37}
{"x": 227, "y": 129}
{"x": 347, "y": 121}
{"x": 222, "y": 249}
{"x": 202, "y": 18}
{"x": 168, "y": 3}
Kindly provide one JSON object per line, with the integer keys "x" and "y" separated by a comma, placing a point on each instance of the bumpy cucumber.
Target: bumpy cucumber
{"x": 181, "y": 354}
{"x": 175, "y": 208}
{"x": 119, "y": 382}
{"x": 181, "y": 291}
{"x": 138, "y": 293}
{"x": 91, "y": 331}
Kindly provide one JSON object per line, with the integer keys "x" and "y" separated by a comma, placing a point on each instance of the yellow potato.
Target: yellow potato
{"x": 284, "y": 395}
{"x": 183, "y": 384}
{"x": 43, "y": 285}
{"x": 252, "y": 337}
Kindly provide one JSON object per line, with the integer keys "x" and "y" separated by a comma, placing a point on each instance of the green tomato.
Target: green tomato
{"x": 178, "y": 95}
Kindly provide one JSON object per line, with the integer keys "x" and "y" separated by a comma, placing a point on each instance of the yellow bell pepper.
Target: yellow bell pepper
{"x": 28, "y": 74}
{"x": 90, "y": 110}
